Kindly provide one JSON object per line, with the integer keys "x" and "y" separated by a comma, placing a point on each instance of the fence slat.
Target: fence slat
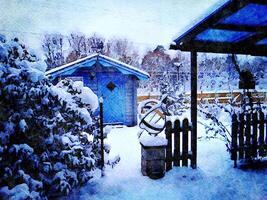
{"x": 185, "y": 143}
{"x": 168, "y": 133}
{"x": 193, "y": 148}
{"x": 177, "y": 130}
{"x": 234, "y": 138}
{"x": 261, "y": 134}
{"x": 241, "y": 136}
{"x": 248, "y": 136}
{"x": 254, "y": 134}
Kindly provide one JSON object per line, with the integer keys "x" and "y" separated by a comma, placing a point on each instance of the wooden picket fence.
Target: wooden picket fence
{"x": 249, "y": 136}
{"x": 222, "y": 97}
{"x": 181, "y": 145}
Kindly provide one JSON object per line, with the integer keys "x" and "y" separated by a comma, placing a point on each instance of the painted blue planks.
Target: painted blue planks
{"x": 114, "y": 99}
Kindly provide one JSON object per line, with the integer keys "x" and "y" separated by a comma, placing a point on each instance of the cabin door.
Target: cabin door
{"x": 111, "y": 87}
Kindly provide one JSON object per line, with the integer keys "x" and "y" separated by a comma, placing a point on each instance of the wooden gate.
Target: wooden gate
{"x": 181, "y": 144}
{"x": 249, "y": 136}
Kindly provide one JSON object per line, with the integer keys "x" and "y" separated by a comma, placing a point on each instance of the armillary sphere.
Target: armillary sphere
{"x": 152, "y": 115}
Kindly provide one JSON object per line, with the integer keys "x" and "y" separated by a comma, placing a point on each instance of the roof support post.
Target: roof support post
{"x": 194, "y": 108}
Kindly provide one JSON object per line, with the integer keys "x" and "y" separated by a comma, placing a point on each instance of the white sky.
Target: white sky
{"x": 145, "y": 22}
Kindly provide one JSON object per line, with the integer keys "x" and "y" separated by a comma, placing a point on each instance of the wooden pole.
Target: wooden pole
{"x": 194, "y": 108}
{"x": 101, "y": 135}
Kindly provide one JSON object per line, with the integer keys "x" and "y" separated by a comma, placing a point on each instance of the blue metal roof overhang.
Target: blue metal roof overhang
{"x": 237, "y": 27}
{"x": 90, "y": 61}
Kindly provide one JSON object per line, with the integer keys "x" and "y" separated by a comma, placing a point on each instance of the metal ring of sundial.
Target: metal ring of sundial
{"x": 153, "y": 111}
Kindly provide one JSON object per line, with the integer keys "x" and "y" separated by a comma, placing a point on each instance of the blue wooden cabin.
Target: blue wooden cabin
{"x": 115, "y": 81}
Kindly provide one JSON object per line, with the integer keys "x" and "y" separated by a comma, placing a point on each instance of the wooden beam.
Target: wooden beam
{"x": 263, "y": 2}
{"x": 194, "y": 108}
{"x": 252, "y": 40}
{"x": 228, "y": 48}
{"x": 233, "y": 27}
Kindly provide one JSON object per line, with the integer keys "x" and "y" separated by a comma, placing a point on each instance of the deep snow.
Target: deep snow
{"x": 215, "y": 178}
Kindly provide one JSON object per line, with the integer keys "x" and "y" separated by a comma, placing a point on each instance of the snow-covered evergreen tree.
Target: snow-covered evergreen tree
{"x": 49, "y": 140}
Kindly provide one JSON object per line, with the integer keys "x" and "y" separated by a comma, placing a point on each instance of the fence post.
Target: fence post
{"x": 261, "y": 134}
{"x": 185, "y": 143}
{"x": 248, "y": 136}
{"x": 168, "y": 133}
{"x": 254, "y": 136}
{"x": 241, "y": 135}
{"x": 177, "y": 130}
{"x": 234, "y": 139}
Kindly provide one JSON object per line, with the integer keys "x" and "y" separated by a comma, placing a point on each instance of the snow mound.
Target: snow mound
{"x": 155, "y": 141}
{"x": 88, "y": 97}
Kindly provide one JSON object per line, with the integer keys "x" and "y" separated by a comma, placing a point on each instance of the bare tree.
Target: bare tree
{"x": 82, "y": 46}
{"x": 157, "y": 63}
{"x": 53, "y": 50}
{"x": 95, "y": 44}
{"x": 77, "y": 44}
{"x": 123, "y": 50}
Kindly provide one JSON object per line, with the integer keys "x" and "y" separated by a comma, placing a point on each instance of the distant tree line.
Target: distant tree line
{"x": 59, "y": 49}
{"x": 169, "y": 71}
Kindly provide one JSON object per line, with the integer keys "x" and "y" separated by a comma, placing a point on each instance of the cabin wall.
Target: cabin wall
{"x": 134, "y": 103}
{"x": 92, "y": 80}
{"x": 131, "y": 103}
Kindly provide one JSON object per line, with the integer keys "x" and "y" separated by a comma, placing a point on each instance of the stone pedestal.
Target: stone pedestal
{"x": 153, "y": 161}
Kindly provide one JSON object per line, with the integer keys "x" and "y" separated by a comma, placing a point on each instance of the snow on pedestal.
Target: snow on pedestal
{"x": 153, "y": 156}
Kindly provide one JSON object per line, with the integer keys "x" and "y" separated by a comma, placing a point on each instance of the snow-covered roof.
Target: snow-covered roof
{"x": 105, "y": 61}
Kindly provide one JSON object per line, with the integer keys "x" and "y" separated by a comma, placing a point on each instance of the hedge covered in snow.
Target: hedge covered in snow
{"x": 48, "y": 138}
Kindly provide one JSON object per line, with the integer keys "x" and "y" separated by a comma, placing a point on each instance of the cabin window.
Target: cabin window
{"x": 111, "y": 86}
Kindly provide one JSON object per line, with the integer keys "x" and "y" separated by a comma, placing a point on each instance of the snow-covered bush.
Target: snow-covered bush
{"x": 44, "y": 145}
{"x": 217, "y": 120}
{"x": 177, "y": 103}
{"x": 217, "y": 117}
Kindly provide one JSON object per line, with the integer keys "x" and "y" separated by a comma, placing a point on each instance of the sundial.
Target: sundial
{"x": 153, "y": 113}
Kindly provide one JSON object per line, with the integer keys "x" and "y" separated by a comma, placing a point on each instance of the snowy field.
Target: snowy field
{"x": 214, "y": 179}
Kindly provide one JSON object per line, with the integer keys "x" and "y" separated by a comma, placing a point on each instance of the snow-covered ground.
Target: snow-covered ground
{"x": 214, "y": 179}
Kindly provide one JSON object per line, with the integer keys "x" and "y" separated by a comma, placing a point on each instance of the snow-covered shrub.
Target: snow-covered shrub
{"x": 217, "y": 120}
{"x": 45, "y": 148}
{"x": 177, "y": 100}
{"x": 217, "y": 117}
